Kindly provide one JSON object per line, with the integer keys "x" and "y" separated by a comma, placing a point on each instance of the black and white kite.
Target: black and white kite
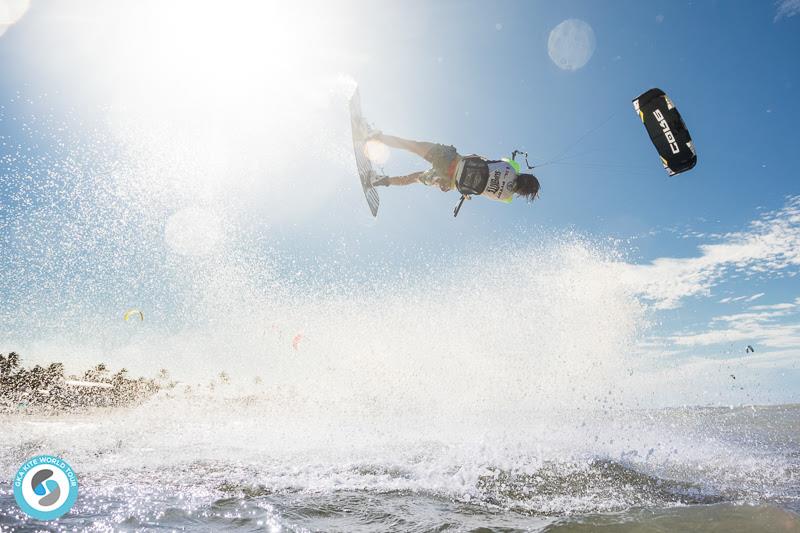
{"x": 667, "y": 131}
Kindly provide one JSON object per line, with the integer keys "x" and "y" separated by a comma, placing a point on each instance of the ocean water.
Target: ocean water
{"x": 208, "y": 462}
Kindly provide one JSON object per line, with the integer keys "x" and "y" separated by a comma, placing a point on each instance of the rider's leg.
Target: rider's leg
{"x": 421, "y": 148}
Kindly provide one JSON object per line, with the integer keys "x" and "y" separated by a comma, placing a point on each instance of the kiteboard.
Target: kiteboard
{"x": 365, "y": 170}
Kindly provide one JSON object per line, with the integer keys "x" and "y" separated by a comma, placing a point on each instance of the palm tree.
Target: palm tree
{"x": 36, "y": 377}
{"x": 55, "y": 371}
{"x": 120, "y": 378}
{"x": 98, "y": 373}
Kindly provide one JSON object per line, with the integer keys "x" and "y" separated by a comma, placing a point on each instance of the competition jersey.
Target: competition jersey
{"x": 502, "y": 178}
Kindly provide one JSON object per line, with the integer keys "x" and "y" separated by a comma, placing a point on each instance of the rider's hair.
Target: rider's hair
{"x": 527, "y": 186}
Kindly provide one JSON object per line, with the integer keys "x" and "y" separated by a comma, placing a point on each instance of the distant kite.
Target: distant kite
{"x": 296, "y": 340}
{"x": 749, "y": 349}
{"x": 133, "y": 313}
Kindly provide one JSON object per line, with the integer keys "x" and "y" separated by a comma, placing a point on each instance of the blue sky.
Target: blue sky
{"x": 240, "y": 112}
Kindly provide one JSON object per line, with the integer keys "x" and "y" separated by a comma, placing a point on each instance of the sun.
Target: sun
{"x": 188, "y": 54}
{"x": 214, "y": 97}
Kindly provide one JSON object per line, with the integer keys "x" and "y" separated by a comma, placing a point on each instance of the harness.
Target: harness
{"x": 472, "y": 175}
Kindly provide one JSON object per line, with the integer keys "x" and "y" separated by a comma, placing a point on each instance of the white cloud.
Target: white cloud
{"x": 786, "y": 8}
{"x": 731, "y": 299}
{"x": 750, "y": 317}
{"x": 772, "y": 359}
{"x": 769, "y": 326}
{"x": 769, "y": 247}
{"x": 773, "y": 307}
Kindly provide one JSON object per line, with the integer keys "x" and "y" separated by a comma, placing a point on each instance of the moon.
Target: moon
{"x": 571, "y": 44}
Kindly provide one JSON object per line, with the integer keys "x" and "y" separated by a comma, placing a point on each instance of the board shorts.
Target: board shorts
{"x": 441, "y": 157}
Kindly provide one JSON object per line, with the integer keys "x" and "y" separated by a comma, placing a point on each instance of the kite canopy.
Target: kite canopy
{"x": 667, "y": 131}
{"x": 133, "y": 313}
{"x": 296, "y": 340}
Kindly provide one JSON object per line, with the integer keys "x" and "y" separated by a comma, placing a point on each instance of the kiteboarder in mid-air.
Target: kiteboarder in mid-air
{"x": 471, "y": 175}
